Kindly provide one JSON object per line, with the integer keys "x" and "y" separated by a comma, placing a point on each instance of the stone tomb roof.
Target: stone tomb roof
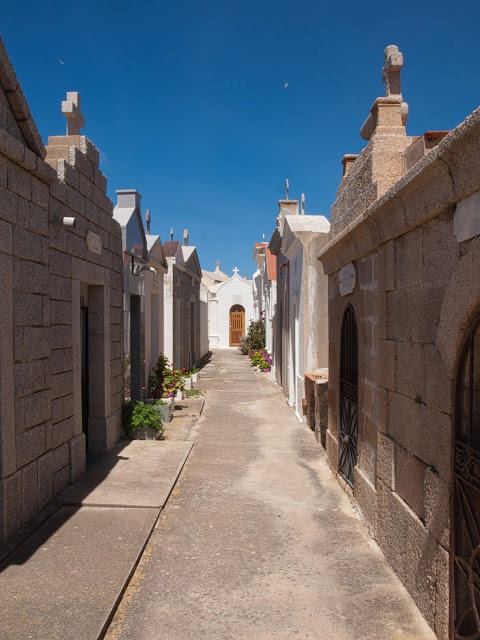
{"x": 23, "y": 128}
{"x": 170, "y": 248}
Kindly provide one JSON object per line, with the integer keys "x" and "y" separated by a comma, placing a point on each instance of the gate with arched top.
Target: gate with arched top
{"x": 465, "y": 619}
{"x": 348, "y": 427}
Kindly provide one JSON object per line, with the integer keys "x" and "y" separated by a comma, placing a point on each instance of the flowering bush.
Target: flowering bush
{"x": 166, "y": 380}
{"x": 255, "y": 338}
{"x": 260, "y": 358}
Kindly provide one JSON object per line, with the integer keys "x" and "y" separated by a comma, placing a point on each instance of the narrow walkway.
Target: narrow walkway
{"x": 257, "y": 540}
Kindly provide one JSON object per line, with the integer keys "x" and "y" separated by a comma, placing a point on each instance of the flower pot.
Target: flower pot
{"x": 144, "y": 434}
{"x": 179, "y": 395}
{"x": 194, "y": 377}
{"x": 165, "y": 411}
{"x": 188, "y": 383}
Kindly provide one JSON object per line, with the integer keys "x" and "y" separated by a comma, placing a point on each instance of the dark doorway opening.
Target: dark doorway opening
{"x": 348, "y": 428}
{"x": 465, "y": 618}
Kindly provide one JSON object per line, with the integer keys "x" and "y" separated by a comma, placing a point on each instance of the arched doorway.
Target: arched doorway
{"x": 465, "y": 619}
{"x": 237, "y": 324}
{"x": 348, "y": 428}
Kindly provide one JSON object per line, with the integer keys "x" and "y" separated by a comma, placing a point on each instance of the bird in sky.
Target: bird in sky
{"x": 286, "y": 85}
{"x": 62, "y": 62}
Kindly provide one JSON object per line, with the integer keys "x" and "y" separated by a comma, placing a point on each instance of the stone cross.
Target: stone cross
{"x": 287, "y": 187}
{"x": 235, "y": 271}
{"x": 71, "y": 110}
{"x": 391, "y": 71}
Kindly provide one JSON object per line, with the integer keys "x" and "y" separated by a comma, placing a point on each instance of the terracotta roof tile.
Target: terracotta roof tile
{"x": 170, "y": 248}
{"x": 271, "y": 265}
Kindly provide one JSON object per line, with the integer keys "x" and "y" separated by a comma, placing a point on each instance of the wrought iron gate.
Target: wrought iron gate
{"x": 348, "y": 429}
{"x": 466, "y": 528}
{"x": 84, "y": 364}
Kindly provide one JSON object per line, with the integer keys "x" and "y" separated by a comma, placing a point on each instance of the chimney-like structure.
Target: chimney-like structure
{"x": 128, "y": 198}
{"x": 185, "y": 237}
{"x": 171, "y": 234}
{"x": 147, "y": 220}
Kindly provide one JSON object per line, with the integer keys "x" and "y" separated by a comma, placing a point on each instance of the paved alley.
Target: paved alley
{"x": 257, "y": 539}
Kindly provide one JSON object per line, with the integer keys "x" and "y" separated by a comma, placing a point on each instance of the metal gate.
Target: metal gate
{"x": 465, "y": 619}
{"x": 348, "y": 430}
{"x": 84, "y": 364}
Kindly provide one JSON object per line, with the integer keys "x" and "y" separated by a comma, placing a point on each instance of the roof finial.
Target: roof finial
{"x": 235, "y": 271}
{"x": 287, "y": 187}
{"x": 147, "y": 221}
{"x": 171, "y": 234}
{"x": 303, "y": 204}
{"x": 71, "y": 110}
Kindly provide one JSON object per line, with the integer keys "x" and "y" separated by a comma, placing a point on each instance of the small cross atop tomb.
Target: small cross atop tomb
{"x": 391, "y": 71}
{"x": 235, "y": 271}
{"x": 378, "y": 121}
{"x": 71, "y": 110}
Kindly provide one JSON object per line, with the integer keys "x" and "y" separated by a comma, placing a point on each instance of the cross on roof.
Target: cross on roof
{"x": 235, "y": 271}
{"x": 71, "y": 110}
{"x": 391, "y": 70}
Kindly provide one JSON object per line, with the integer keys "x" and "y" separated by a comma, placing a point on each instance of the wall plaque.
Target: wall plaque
{"x": 466, "y": 222}
{"x": 347, "y": 279}
{"x": 94, "y": 242}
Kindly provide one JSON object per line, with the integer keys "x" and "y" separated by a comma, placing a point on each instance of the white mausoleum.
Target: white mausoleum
{"x": 230, "y": 307}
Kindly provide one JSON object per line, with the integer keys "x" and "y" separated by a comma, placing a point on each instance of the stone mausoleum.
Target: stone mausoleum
{"x": 61, "y": 377}
{"x": 403, "y": 264}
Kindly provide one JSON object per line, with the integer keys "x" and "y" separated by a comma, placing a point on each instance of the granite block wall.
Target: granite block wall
{"x": 45, "y": 268}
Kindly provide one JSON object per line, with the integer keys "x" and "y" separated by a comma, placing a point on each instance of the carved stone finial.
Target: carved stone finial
{"x": 148, "y": 220}
{"x": 393, "y": 92}
{"x": 71, "y": 110}
{"x": 391, "y": 71}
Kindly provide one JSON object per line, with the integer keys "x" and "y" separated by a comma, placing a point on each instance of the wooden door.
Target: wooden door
{"x": 237, "y": 324}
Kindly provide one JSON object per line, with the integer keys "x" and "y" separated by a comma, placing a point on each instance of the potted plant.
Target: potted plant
{"x": 165, "y": 408}
{"x": 141, "y": 421}
{"x": 166, "y": 381}
{"x": 195, "y": 373}
{"x": 187, "y": 378}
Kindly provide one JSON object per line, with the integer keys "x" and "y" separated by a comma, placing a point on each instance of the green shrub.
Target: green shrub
{"x": 141, "y": 415}
{"x": 255, "y": 338}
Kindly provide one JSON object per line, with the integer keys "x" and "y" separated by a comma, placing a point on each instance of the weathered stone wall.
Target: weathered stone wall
{"x": 42, "y": 266}
{"x": 416, "y": 292}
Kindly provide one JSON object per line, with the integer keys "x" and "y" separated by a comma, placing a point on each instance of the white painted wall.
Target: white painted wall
{"x": 234, "y": 291}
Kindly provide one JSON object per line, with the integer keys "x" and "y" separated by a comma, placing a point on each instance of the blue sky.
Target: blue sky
{"x": 186, "y": 100}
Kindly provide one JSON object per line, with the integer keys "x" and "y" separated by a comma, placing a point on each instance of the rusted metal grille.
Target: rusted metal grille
{"x": 348, "y": 431}
{"x": 466, "y": 531}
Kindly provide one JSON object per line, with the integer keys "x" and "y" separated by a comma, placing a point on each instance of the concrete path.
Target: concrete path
{"x": 257, "y": 540}
{"x": 66, "y": 579}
